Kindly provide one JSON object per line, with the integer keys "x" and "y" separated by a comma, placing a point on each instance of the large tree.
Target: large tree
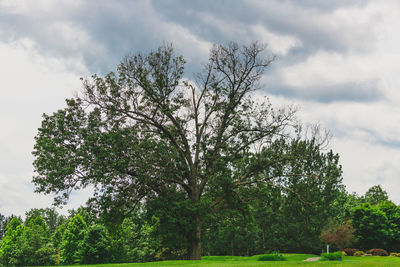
{"x": 146, "y": 130}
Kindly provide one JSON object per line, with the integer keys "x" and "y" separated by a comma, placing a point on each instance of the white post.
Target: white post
{"x": 327, "y": 249}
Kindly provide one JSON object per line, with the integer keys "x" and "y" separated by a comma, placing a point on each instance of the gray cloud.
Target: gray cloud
{"x": 349, "y": 92}
{"x": 313, "y": 22}
{"x": 333, "y": 58}
{"x": 114, "y": 29}
{"x": 100, "y": 35}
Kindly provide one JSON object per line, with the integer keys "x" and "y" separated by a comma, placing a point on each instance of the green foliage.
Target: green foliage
{"x": 96, "y": 246}
{"x": 309, "y": 194}
{"x": 10, "y": 249}
{"x": 4, "y": 220}
{"x": 37, "y": 249}
{"x": 375, "y": 195}
{"x": 286, "y": 214}
{"x": 272, "y": 257}
{"x": 57, "y": 237}
{"x": 148, "y": 130}
{"x": 377, "y": 225}
{"x": 392, "y": 212}
{"x": 335, "y": 256}
{"x": 371, "y": 226}
{"x": 72, "y": 240}
{"x": 137, "y": 240}
{"x": 87, "y": 213}
{"x": 232, "y": 232}
{"x": 27, "y": 244}
{"x": 50, "y": 215}
{"x": 173, "y": 224}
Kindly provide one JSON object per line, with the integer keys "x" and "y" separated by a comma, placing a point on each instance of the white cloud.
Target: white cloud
{"x": 326, "y": 69}
{"x": 26, "y": 7}
{"x": 367, "y": 164}
{"x": 75, "y": 37}
{"x": 321, "y": 50}
{"x": 182, "y": 38}
{"x": 278, "y": 44}
{"x": 31, "y": 85}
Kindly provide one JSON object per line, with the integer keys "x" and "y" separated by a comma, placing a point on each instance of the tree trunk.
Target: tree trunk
{"x": 263, "y": 238}
{"x": 194, "y": 249}
{"x": 232, "y": 245}
{"x": 194, "y": 246}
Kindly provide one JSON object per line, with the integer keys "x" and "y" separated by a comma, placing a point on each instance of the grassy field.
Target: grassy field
{"x": 292, "y": 260}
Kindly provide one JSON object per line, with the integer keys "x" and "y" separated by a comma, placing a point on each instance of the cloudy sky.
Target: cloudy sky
{"x": 338, "y": 61}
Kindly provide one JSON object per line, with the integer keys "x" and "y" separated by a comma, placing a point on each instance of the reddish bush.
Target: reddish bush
{"x": 350, "y": 251}
{"x": 377, "y": 252}
{"x": 338, "y": 235}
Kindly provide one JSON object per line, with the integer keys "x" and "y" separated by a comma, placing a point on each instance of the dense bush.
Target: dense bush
{"x": 359, "y": 253}
{"x": 350, "y": 251}
{"x": 394, "y": 254}
{"x": 271, "y": 257}
{"x": 332, "y": 256}
{"x": 377, "y": 252}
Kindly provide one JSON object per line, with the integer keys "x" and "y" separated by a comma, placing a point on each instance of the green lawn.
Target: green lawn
{"x": 293, "y": 260}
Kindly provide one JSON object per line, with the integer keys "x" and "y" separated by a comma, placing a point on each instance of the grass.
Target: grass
{"x": 292, "y": 260}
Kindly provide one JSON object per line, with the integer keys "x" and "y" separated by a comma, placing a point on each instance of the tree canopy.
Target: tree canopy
{"x": 146, "y": 131}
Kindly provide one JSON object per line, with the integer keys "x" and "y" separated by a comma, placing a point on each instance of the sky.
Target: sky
{"x": 337, "y": 61}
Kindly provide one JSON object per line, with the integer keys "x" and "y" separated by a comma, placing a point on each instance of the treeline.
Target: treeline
{"x": 77, "y": 238}
{"x": 279, "y": 219}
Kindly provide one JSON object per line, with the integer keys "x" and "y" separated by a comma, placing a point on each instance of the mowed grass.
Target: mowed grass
{"x": 292, "y": 260}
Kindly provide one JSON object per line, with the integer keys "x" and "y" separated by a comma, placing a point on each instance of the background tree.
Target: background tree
{"x": 4, "y": 220}
{"x": 72, "y": 241}
{"x": 375, "y": 195}
{"x": 96, "y": 246}
{"x": 138, "y": 242}
{"x": 10, "y": 249}
{"x": 392, "y": 212}
{"x": 344, "y": 205}
{"x": 36, "y": 246}
{"x": 146, "y": 129}
{"x": 89, "y": 216}
{"x": 57, "y": 236}
{"x": 50, "y": 215}
{"x": 371, "y": 227}
{"x": 309, "y": 194}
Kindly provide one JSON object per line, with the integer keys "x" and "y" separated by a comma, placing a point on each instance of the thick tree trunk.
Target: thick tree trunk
{"x": 194, "y": 245}
{"x": 194, "y": 249}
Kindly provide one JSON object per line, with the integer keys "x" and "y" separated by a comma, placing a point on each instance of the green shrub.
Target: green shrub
{"x": 359, "y": 253}
{"x": 394, "y": 254}
{"x": 350, "y": 251}
{"x": 377, "y": 252}
{"x": 271, "y": 257}
{"x": 335, "y": 256}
